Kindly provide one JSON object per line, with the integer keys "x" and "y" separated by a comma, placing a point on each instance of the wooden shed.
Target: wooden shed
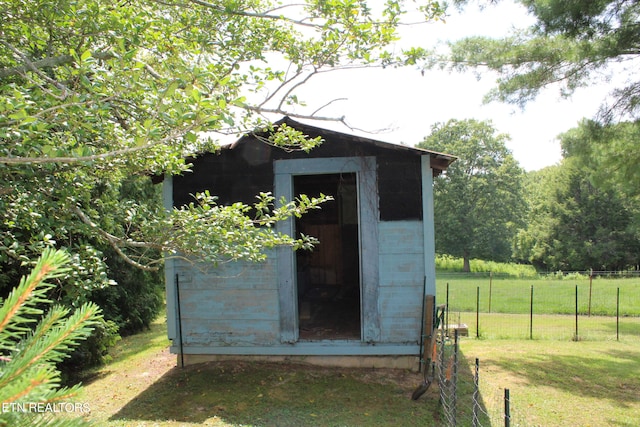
{"x": 357, "y": 298}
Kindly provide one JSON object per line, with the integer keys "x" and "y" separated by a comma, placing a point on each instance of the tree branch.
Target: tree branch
{"x": 280, "y": 111}
{"x": 327, "y": 104}
{"x": 35, "y": 65}
{"x": 30, "y": 66}
{"x": 57, "y": 61}
{"x": 115, "y": 242}
{"x": 294, "y": 87}
{"x": 254, "y": 14}
{"x": 94, "y": 157}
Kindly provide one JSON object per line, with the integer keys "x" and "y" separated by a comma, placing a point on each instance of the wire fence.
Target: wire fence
{"x": 461, "y": 399}
{"x": 578, "y": 307}
{"x": 568, "y": 307}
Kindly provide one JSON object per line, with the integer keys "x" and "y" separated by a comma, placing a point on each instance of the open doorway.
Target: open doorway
{"x": 328, "y": 278}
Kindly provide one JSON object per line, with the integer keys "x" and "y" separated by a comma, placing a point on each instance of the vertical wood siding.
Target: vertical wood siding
{"x": 253, "y": 307}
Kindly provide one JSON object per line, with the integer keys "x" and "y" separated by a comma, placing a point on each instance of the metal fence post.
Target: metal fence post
{"x": 531, "y": 315}
{"x": 575, "y": 338}
{"x": 478, "y": 312}
{"x": 454, "y": 379}
{"x": 590, "y": 290}
{"x": 507, "y": 408}
{"x": 442, "y": 372}
{"x": 490, "y": 288}
{"x": 179, "y": 321}
{"x": 618, "y": 315}
{"x": 446, "y": 321}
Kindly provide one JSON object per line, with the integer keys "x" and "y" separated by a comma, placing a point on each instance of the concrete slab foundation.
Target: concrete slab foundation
{"x": 392, "y": 362}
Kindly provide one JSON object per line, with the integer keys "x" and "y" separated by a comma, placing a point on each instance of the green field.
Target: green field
{"x": 502, "y": 308}
{"x": 550, "y": 296}
{"x": 548, "y": 326}
{"x": 554, "y": 383}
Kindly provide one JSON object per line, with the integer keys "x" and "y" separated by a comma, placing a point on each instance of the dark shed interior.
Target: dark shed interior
{"x": 329, "y": 276}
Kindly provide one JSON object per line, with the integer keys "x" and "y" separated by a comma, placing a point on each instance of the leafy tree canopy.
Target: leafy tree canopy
{"x": 575, "y": 225}
{"x": 478, "y": 202}
{"x": 609, "y": 152}
{"x": 573, "y": 44}
{"x": 97, "y": 95}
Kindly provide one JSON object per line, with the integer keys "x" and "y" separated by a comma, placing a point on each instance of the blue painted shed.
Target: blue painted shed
{"x": 357, "y": 298}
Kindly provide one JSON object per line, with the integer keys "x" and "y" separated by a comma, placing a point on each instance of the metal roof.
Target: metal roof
{"x": 439, "y": 161}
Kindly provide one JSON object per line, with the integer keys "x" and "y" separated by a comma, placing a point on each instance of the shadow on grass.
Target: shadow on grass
{"x": 264, "y": 394}
{"x": 610, "y": 374}
{"x": 466, "y": 402}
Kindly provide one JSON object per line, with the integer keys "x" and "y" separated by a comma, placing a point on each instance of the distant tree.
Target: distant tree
{"x": 530, "y": 244}
{"x": 582, "y": 214}
{"x": 576, "y": 225}
{"x": 594, "y": 229}
{"x": 572, "y": 44}
{"x": 609, "y": 154}
{"x": 478, "y": 202}
{"x": 606, "y": 158}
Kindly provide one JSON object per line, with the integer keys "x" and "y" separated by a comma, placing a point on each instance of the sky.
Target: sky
{"x": 401, "y": 105}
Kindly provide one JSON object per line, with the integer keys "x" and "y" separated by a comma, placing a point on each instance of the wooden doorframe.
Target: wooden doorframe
{"x": 367, "y": 189}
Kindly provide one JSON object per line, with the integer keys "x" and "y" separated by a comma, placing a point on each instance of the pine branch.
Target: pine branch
{"x": 29, "y": 373}
{"x": 24, "y": 300}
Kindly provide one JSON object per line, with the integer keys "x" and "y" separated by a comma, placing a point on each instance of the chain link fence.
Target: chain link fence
{"x": 557, "y": 307}
{"x": 463, "y": 400}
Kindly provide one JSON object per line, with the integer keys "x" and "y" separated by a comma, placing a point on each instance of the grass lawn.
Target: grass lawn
{"x": 558, "y": 327}
{"x": 552, "y": 383}
{"x": 555, "y": 383}
{"x": 597, "y": 297}
{"x": 143, "y": 387}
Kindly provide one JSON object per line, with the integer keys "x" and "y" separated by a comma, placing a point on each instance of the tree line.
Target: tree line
{"x": 583, "y": 213}
{"x": 578, "y": 215}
